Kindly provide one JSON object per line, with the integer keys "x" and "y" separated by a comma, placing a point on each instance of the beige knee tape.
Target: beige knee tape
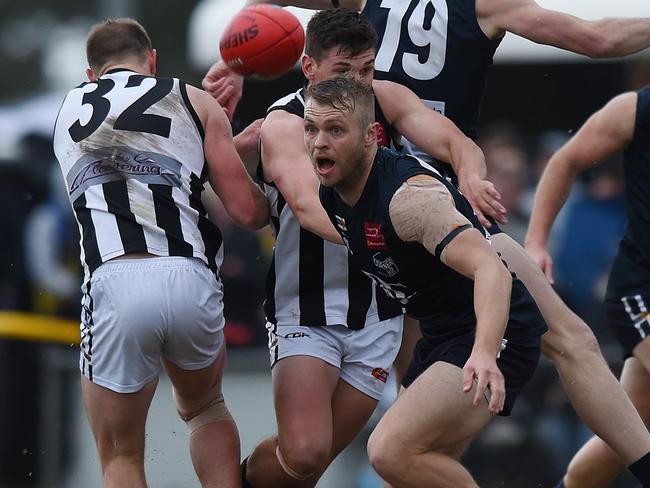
{"x": 288, "y": 470}
{"x": 202, "y": 411}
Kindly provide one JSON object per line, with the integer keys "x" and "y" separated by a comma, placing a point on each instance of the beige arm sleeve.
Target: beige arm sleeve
{"x": 422, "y": 210}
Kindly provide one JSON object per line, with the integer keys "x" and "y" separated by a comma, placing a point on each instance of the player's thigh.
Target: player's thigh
{"x": 117, "y": 419}
{"x": 410, "y": 336}
{"x": 566, "y": 329}
{"x": 433, "y": 413}
{"x": 351, "y": 410}
{"x": 635, "y": 379}
{"x": 194, "y": 383}
{"x": 302, "y": 392}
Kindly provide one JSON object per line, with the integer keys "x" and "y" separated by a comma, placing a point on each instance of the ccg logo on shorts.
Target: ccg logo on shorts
{"x": 296, "y": 335}
{"x": 380, "y": 374}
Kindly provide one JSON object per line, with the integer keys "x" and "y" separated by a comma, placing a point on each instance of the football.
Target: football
{"x": 263, "y": 41}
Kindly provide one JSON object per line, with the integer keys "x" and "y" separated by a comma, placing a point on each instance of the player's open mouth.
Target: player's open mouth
{"x": 324, "y": 166}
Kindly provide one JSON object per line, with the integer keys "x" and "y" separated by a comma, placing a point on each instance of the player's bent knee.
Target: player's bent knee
{"x": 204, "y": 410}
{"x": 574, "y": 338}
{"x": 386, "y": 457}
{"x": 298, "y": 464}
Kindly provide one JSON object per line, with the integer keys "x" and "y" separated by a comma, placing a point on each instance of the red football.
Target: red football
{"x": 264, "y": 40}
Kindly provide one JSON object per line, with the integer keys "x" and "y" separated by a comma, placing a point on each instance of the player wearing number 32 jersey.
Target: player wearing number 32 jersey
{"x": 135, "y": 151}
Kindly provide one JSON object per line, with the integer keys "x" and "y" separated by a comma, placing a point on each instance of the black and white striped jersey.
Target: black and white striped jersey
{"x": 312, "y": 282}
{"x": 131, "y": 150}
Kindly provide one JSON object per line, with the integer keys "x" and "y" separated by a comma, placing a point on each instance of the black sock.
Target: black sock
{"x": 244, "y": 481}
{"x": 560, "y": 484}
{"x": 641, "y": 469}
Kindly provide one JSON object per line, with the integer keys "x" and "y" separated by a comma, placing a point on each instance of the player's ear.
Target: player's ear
{"x": 91, "y": 74}
{"x": 371, "y": 134}
{"x": 152, "y": 61}
{"x": 309, "y": 66}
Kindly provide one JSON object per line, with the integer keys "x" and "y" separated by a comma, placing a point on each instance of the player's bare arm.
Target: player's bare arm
{"x": 605, "y": 133}
{"x": 440, "y": 138}
{"x": 423, "y": 211}
{"x": 287, "y": 164}
{"x": 247, "y": 143}
{"x": 602, "y": 38}
{"x": 313, "y": 4}
{"x": 241, "y": 197}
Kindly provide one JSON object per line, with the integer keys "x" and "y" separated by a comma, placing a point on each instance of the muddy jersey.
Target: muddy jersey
{"x": 131, "y": 150}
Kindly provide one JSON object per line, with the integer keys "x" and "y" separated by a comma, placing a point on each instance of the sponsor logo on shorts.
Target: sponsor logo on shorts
{"x": 380, "y": 374}
{"x": 375, "y": 239}
{"x": 296, "y": 335}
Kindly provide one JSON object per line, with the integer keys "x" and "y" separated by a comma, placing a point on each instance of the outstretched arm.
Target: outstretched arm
{"x": 423, "y": 211}
{"x": 604, "y": 38}
{"x": 440, "y": 138}
{"x": 241, "y": 197}
{"x": 287, "y": 164}
{"x": 606, "y": 132}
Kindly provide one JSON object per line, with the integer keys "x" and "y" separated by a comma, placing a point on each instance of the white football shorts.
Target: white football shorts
{"x": 364, "y": 357}
{"x": 135, "y": 311}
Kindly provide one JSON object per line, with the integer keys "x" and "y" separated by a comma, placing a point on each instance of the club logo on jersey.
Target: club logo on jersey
{"x": 385, "y": 265}
{"x": 380, "y": 374}
{"x": 375, "y": 239}
{"x": 382, "y": 136}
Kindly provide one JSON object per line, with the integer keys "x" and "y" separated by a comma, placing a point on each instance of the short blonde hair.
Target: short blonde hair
{"x": 346, "y": 94}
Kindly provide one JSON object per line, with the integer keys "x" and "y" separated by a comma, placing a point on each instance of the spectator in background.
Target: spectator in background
{"x": 21, "y": 187}
{"x": 595, "y": 222}
{"x": 507, "y": 169}
{"x": 52, "y": 249}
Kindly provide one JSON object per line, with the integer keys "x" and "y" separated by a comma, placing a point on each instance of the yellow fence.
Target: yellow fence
{"x": 42, "y": 328}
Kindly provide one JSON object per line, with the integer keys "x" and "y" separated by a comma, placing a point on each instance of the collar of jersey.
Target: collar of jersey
{"x": 117, "y": 70}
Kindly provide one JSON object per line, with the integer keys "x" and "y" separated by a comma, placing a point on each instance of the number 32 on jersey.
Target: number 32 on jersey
{"x": 426, "y": 27}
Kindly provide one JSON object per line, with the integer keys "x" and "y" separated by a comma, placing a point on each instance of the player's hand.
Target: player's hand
{"x": 482, "y": 369}
{"x": 540, "y": 255}
{"x": 484, "y": 199}
{"x": 247, "y": 142}
{"x": 225, "y": 86}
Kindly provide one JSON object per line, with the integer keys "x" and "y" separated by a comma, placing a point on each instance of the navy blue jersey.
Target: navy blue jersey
{"x": 430, "y": 290}
{"x": 437, "y": 49}
{"x": 631, "y": 270}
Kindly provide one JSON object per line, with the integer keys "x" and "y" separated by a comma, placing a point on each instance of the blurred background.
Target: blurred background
{"x": 535, "y": 98}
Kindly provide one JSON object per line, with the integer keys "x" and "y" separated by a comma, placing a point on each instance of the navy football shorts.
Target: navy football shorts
{"x": 629, "y": 318}
{"x": 517, "y": 361}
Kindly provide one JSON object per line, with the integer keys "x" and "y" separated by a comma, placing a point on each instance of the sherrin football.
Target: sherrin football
{"x": 264, "y": 41}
